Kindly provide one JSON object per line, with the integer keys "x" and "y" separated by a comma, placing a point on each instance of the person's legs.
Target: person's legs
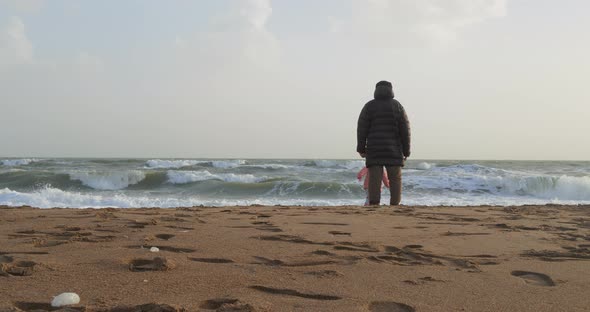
{"x": 375, "y": 180}
{"x": 395, "y": 184}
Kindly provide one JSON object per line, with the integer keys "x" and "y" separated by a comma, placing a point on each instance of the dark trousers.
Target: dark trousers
{"x": 395, "y": 184}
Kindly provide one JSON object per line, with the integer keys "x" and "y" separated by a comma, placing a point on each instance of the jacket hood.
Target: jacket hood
{"x": 383, "y": 92}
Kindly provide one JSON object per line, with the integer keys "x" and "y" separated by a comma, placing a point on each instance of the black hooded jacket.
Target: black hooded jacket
{"x": 383, "y": 131}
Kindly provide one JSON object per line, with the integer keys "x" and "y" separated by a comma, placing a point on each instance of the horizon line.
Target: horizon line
{"x": 279, "y": 158}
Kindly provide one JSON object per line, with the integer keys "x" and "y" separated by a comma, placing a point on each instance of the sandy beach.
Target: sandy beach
{"x": 529, "y": 258}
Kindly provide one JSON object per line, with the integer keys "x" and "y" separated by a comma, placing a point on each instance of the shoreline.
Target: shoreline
{"x": 298, "y": 258}
{"x": 382, "y": 206}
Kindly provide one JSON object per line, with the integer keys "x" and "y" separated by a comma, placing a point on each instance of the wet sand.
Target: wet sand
{"x": 530, "y": 258}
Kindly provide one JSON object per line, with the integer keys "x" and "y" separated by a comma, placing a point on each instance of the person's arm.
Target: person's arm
{"x": 404, "y": 132}
{"x": 362, "y": 173}
{"x": 385, "y": 178}
{"x": 362, "y": 131}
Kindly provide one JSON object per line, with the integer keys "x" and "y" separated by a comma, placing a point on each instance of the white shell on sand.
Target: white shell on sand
{"x": 65, "y": 299}
{"x": 154, "y": 249}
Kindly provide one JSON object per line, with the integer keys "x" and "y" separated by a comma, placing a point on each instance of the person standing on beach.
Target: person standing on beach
{"x": 364, "y": 173}
{"x": 383, "y": 138}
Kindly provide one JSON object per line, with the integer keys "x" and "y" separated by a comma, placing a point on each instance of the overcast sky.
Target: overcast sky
{"x": 480, "y": 79}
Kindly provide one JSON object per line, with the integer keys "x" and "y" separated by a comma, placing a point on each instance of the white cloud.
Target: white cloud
{"x": 15, "y": 47}
{"x": 256, "y": 12}
{"x": 238, "y": 39}
{"x": 23, "y": 5}
{"x": 418, "y": 22}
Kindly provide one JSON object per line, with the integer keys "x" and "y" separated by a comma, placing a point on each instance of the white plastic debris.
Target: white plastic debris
{"x": 65, "y": 299}
{"x": 154, "y": 249}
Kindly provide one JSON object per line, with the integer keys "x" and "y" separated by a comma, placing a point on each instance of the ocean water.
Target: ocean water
{"x": 97, "y": 183}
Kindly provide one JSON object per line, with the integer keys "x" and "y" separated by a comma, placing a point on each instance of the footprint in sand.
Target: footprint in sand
{"x": 156, "y": 264}
{"x": 534, "y": 278}
{"x": 226, "y": 304}
{"x": 322, "y": 253}
{"x": 5, "y": 259}
{"x": 335, "y": 233}
{"x": 356, "y": 247}
{"x": 390, "y": 306}
{"x": 165, "y": 236}
{"x": 20, "y": 268}
{"x": 151, "y": 307}
{"x": 274, "y": 262}
{"x": 173, "y": 219}
{"x": 325, "y": 223}
{"x": 24, "y": 253}
{"x": 414, "y": 246}
{"x": 165, "y": 248}
{"x": 294, "y": 293}
{"x": 324, "y": 273}
{"x": 291, "y": 239}
{"x": 185, "y": 228}
{"x": 212, "y": 260}
{"x": 423, "y": 280}
{"x": 48, "y": 243}
{"x": 41, "y": 306}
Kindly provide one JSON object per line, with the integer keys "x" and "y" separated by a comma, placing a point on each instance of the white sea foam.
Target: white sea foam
{"x": 171, "y": 164}
{"x": 499, "y": 182}
{"x": 339, "y": 164}
{"x": 425, "y": 166}
{"x": 115, "y": 180}
{"x": 327, "y": 182}
{"x": 183, "y": 177}
{"x": 549, "y": 187}
{"x": 17, "y": 162}
{"x": 51, "y": 197}
{"x": 177, "y": 164}
{"x": 227, "y": 164}
{"x": 270, "y": 166}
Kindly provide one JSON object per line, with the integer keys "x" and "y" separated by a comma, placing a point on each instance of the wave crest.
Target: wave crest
{"x": 180, "y": 163}
{"x": 167, "y": 164}
{"x": 183, "y": 177}
{"x": 108, "y": 180}
{"x": 18, "y": 162}
{"x": 339, "y": 164}
{"x": 425, "y": 166}
{"x": 477, "y": 179}
{"x": 50, "y": 197}
{"x": 227, "y": 164}
{"x": 563, "y": 187}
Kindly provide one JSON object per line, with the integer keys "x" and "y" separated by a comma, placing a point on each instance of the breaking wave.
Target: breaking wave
{"x": 115, "y": 180}
{"x": 167, "y": 164}
{"x": 176, "y": 182}
{"x": 482, "y": 179}
{"x": 183, "y": 177}
{"x": 51, "y": 197}
{"x": 177, "y": 164}
{"x": 339, "y": 164}
{"x": 227, "y": 164}
{"x": 425, "y": 166}
{"x": 17, "y": 162}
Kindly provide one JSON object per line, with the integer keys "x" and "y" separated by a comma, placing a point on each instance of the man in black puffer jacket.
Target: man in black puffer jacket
{"x": 383, "y": 137}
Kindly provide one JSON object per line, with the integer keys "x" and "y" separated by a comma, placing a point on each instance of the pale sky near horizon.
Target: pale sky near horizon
{"x": 479, "y": 79}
